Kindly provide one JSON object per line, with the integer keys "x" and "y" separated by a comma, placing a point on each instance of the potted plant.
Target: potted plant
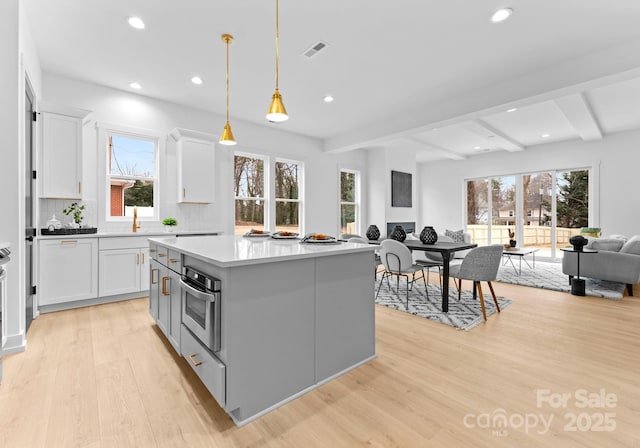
{"x": 169, "y": 224}
{"x": 75, "y": 210}
{"x": 591, "y": 231}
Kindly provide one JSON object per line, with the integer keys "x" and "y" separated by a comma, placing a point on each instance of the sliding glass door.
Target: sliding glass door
{"x": 542, "y": 210}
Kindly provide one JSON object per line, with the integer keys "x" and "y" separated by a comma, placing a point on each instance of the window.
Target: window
{"x": 349, "y": 201}
{"x": 131, "y": 176}
{"x": 249, "y": 188}
{"x": 287, "y": 196}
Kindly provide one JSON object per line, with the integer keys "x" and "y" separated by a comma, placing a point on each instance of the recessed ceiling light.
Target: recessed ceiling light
{"x": 501, "y": 15}
{"x": 513, "y": 109}
{"x": 476, "y": 147}
{"x": 545, "y": 135}
{"x": 197, "y": 80}
{"x": 135, "y": 85}
{"x": 328, "y": 98}
{"x": 136, "y": 22}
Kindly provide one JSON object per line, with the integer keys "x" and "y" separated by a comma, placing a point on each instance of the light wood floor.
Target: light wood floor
{"x": 104, "y": 376}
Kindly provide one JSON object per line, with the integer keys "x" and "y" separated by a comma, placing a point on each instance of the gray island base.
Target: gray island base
{"x": 292, "y": 316}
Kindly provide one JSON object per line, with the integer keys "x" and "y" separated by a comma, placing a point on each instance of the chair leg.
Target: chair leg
{"x": 426, "y": 282}
{"x": 459, "y": 288}
{"x": 484, "y": 313}
{"x": 493, "y": 294}
{"x": 380, "y": 285}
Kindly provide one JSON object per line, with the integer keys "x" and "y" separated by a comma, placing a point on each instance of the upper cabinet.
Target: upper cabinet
{"x": 195, "y": 153}
{"x": 61, "y": 156}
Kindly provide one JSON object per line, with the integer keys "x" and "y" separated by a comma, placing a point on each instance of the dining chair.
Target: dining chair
{"x": 397, "y": 261}
{"x": 480, "y": 265}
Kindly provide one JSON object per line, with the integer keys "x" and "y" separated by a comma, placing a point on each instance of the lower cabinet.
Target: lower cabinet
{"x": 154, "y": 288}
{"x": 68, "y": 270}
{"x": 124, "y": 266}
{"x": 165, "y": 301}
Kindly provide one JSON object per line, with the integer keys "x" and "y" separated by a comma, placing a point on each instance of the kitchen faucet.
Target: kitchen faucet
{"x": 136, "y": 226}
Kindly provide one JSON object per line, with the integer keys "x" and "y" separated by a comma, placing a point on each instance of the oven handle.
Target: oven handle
{"x": 198, "y": 294}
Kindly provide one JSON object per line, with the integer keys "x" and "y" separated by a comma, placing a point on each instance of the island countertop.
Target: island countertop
{"x": 233, "y": 250}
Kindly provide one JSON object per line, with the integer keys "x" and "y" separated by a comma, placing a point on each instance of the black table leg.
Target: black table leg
{"x": 445, "y": 282}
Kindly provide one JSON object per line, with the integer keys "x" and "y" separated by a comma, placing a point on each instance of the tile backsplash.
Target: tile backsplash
{"x": 189, "y": 216}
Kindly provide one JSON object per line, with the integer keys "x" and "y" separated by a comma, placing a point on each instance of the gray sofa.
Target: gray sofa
{"x": 617, "y": 260}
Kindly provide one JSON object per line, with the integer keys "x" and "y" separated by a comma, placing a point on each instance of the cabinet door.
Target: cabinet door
{"x": 195, "y": 170}
{"x": 154, "y": 288}
{"x": 144, "y": 269}
{"x": 164, "y": 300}
{"x": 68, "y": 270}
{"x": 61, "y": 156}
{"x": 175, "y": 318}
{"x": 119, "y": 271}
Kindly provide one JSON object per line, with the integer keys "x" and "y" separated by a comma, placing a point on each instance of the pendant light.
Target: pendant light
{"x": 227, "y": 136}
{"x": 277, "y": 112}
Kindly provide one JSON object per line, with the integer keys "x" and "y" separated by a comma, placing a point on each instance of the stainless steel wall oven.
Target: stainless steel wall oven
{"x": 201, "y": 306}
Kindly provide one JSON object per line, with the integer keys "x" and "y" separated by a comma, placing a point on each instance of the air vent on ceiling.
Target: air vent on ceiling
{"x": 315, "y": 49}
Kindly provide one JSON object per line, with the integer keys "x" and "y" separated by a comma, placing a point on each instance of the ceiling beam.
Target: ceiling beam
{"x": 486, "y": 131}
{"x": 578, "y": 111}
{"x": 435, "y": 149}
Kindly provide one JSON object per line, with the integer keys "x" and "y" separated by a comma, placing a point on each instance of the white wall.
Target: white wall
{"x": 132, "y": 110}
{"x": 615, "y": 160}
{"x": 19, "y": 61}
{"x": 381, "y": 161}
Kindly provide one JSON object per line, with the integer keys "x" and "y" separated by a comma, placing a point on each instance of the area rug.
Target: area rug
{"x": 548, "y": 275}
{"x": 464, "y": 314}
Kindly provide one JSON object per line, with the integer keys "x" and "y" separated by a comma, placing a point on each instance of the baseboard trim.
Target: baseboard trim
{"x": 90, "y": 302}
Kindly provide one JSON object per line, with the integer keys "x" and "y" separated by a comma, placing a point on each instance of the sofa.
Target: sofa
{"x": 617, "y": 260}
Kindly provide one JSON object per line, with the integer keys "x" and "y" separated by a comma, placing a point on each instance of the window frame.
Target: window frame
{"x": 299, "y": 201}
{"x": 105, "y": 130}
{"x": 358, "y": 199}
{"x": 265, "y": 187}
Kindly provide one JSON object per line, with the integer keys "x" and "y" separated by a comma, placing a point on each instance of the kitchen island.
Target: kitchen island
{"x": 292, "y": 316}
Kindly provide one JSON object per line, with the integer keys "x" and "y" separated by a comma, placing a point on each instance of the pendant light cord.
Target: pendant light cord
{"x": 227, "y": 39}
{"x": 277, "y": 38}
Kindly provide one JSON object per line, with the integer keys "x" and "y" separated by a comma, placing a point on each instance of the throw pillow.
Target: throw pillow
{"x": 457, "y": 236}
{"x": 632, "y": 246}
{"x": 610, "y": 244}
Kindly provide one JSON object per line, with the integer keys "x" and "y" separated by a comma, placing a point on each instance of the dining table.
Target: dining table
{"x": 447, "y": 250}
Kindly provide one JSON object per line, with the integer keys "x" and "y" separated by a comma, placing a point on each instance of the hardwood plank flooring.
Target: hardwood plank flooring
{"x": 104, "y": 376}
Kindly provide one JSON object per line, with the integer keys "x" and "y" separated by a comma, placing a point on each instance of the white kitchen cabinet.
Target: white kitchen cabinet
{"x": 124, "y": 266}
{"x": 196, "y": 166}
{"x": 68, "y": 270}
{"x": 61, "y": 154}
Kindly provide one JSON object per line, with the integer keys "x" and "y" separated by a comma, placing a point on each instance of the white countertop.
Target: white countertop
{"x": 139, "y": 233}
{"x": 231, "y": 250}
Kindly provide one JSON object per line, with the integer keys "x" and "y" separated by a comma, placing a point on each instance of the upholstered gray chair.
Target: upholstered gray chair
{"x": 480, "y": 265}
{"x": 397, "y": 260}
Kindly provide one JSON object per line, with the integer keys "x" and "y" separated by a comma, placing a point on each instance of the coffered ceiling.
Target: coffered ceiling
{"x": 437, "y": 77}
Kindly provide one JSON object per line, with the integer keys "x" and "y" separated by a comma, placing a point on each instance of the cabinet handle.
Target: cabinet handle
{"x": 152, "y": 251}
{"x": 143, "y": 258}
{"x": 172, "y": 260}
{"x": 193, "y": 361}
{"x": 79, "y": 187}
{"x": 164, "y": 286}
{"x": 184, "y": 192}
{"x": 137, "y": 258}
{"x": 153, "y": 272}
{"x": 162, "y": 255}
{"x": 69, "y": 242}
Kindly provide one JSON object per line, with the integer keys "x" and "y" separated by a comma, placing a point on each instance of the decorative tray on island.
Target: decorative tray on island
{"x": 69, "y": 231}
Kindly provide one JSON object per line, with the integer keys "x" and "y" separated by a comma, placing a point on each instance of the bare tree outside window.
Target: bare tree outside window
{"x": 287, "y": 196}
{"x": 249, "y": 194}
